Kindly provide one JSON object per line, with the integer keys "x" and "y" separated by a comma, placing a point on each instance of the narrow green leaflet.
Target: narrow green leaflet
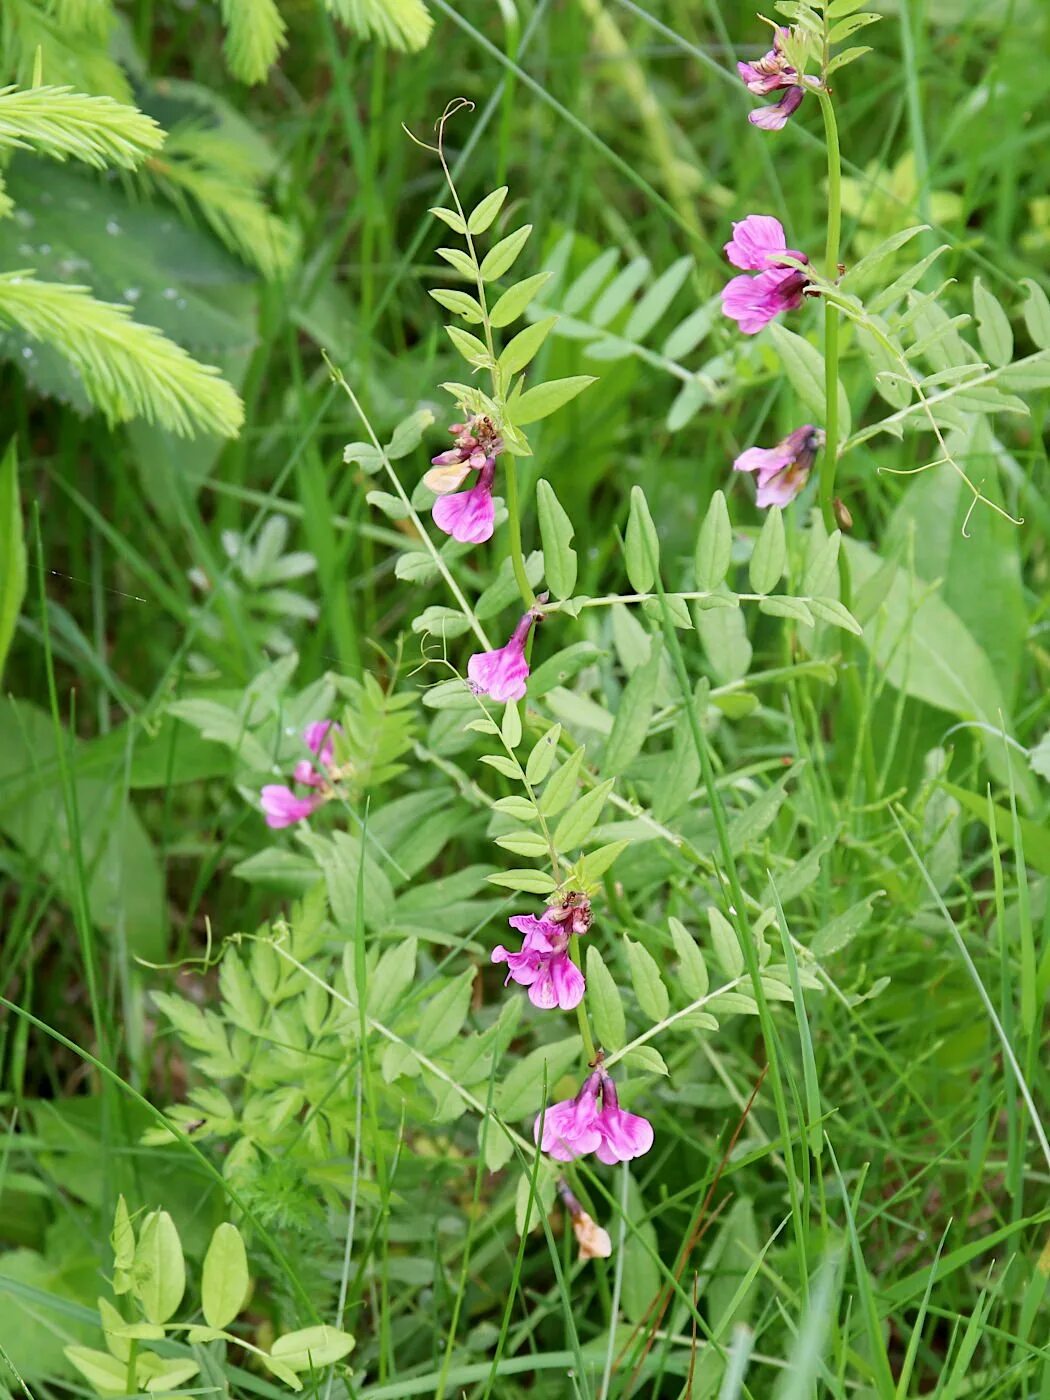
{"x": 634, "y": 712}
{"x": 541, "y": 759}
{"x": 993, "y": 326}
{"x": 804, "y": 366}
{"x": 604, "y": 1002}
{"x": 581, "y": 818}
{"x": 224, "y": 1280}
{"x": 641, "y": 546}
{"x": 725, "y": 943}
{"x": 556, "y": 532}
{"x": 524, "y": 346}
{"x": 1036, "y": 313}
{"x": 159, "y": 1273}
{"x": 714, "y": 545}
{"x": 692, "y": 970}
{"x": 12, "y": 552}
{"x": 485, "y": 212}
{"x": 515, "y": 299}
{"x": 502, "y": 257}
{"x": 545, "y": 399}
{"x": 312, "y": 1348}
{"x": 645, "y": 978}
{"x": 769, "y": 558}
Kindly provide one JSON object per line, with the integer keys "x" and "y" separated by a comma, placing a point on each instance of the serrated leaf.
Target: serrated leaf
{"x": 692, "y": 970}
{"x": 993, "y": 326}
{"x": 501, "y": 258}
{"x": 769, "y": 557}
{"x": 545, "y": 399}
{"x": 641, "y": 546}
{"x": 485, "y": 211}
{"x": 581, "y": 818}
{"x": 604, "y": 1002}
{"x": 224, "y": 1279}
{"x": 515, "y": 299}
{"x": 645, "y": 978}
{"x": 541, "y": 758}
{"x": 312, "y": 1348}
{"x": 725, "y": 943}
{"x": 714, "y": 545}
{"x": 527, "y": 881}
{"x": 524, "y": 346}
{"x": 556, "y": 533}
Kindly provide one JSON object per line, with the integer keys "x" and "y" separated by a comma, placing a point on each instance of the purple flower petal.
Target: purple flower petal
{"x": 282, "y": 808}
{"x": 775, "y": 117}
{"x": 623, "y": 1135}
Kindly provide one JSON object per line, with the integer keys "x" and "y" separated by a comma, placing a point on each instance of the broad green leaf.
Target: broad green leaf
{"x": 578, "y": 822}
{"x": 556, "y": 532}
{"x": 224, "y": 1280}
{"x": 527, "y": 881}
{"x": 645, "y": 978}
{"x": 312, "y": 1348}
{"x": 12, "y": 551}
{"x": 634, "y": 713}
{"x": 641, "y": 547}
{"x": 545, "y": 399}
{"x": 445, "y": 1013}
{"x": 542, "y": 757}
{"x": 108, "y": 1375}
{"x": 994, "y": 334}
{"x": 804, "y": 366}
{"x": 1036, "y": 313}
{"x": 485, "y": 211}
{"x": 524, "y": 346}
{"x": 725, "y": 943}
{"x": 692, "y": 970}
{"x": 604, "y": 1002}
{"x": 769, "y": 558}
{"x": 501, "y": 258}
{"x": 714, "y": 545}
{"x": 113, "y": 1324}
{"x": 515, "y": 299}
{"x": 159, "y": 1271}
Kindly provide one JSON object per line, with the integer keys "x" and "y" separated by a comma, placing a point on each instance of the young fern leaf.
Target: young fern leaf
{"x": 403, "y": 24}
{"x": 202, "y": 170}
{"x": 128, "y": 370}
{"x": 58, "y": 122}
{"x": 255, "y": 35}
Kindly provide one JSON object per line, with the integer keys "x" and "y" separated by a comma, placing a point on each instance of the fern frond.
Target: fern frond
{"x": 128, "y": 370}
{"x": 58, "y": 122}
{"x": 208, "y": 170}
{"x": 403, "y": 24}
{"x": 69, "y": 53}
{"x": 92, "y": 18}
{"x": 255, "y": 35}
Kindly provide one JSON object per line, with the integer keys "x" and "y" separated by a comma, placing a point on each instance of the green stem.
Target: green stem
{"x": 829, "y": 462}
{"x": 517, "y": 558}
{"x": 581, "y": 1010}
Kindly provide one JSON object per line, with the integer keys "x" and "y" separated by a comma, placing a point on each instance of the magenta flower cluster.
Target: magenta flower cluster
{"x": 468, "y": 516}
{"x": 773, "y": 280}
{"x": 281, "y": 805}
{"x": 576, "y": 1127}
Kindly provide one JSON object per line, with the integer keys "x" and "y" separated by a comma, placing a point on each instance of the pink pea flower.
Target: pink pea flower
{"x": 758, "y": 245}
{"x": 782, "y": 471}
{"x": 570, "y": 1128}
{"x": 502, "y": 674}
{"x": 771, "y": 73}
{"x": 281, "y": 807}
{"x": 543, "y": 964}
{"x": 469, "y": 516}
{"x": 577, "y": 1126}
{"x": 475, "y": 442}
{"x": 317, "y": 738}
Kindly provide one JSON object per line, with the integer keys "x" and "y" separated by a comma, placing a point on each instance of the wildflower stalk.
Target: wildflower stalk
{"x": 829, "y": 461}
{"x": 517, "y": 557}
